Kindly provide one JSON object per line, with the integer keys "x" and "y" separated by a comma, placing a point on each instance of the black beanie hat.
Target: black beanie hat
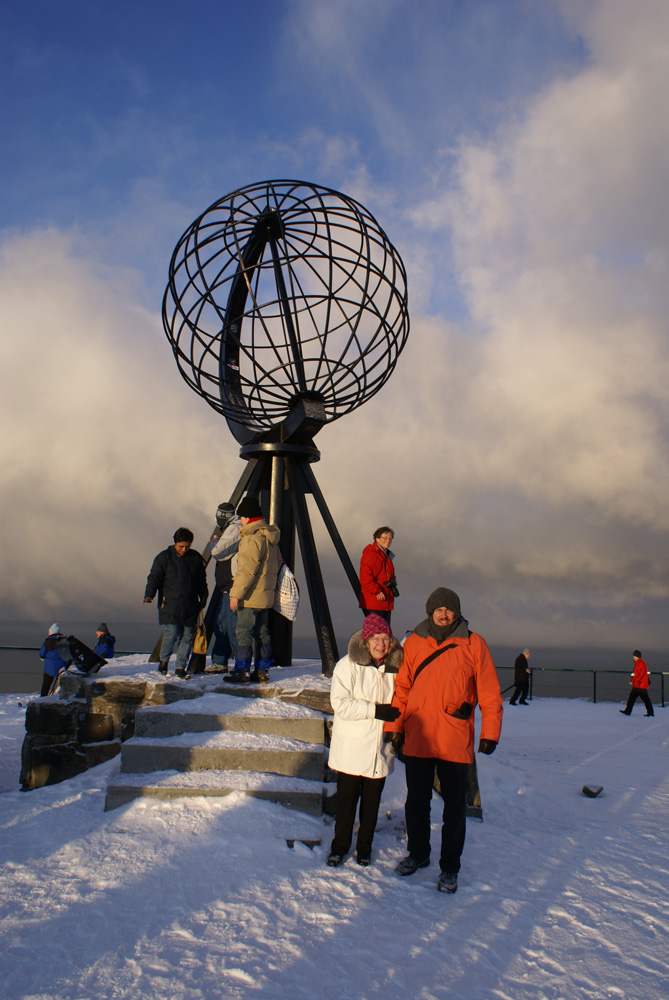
{"x": 102, "y": 627}
{"x": 249, "y": 507}
{"x": 637, "y": 653}
{"x": 442, "y": 597}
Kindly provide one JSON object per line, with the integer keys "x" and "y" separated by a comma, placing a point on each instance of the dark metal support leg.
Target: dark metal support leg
{"x": 281, "y": 513}
{"x": 327, "y": 643}
{"x": 332, "y": 529}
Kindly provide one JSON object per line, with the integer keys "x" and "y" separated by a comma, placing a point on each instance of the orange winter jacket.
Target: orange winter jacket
{"x": 462, "y": 675}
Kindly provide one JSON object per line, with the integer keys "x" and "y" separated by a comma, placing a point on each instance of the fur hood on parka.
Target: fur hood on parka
{"x": 359, "y": 653}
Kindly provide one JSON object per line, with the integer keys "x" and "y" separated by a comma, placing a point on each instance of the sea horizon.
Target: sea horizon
{"x": 559, "y": 671}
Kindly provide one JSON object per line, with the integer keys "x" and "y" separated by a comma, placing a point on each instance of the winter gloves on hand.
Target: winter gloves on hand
{"x": 387, "y": 713}
{"x": 487, "y": 746}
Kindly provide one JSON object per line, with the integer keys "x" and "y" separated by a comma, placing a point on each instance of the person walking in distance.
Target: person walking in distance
{"x": 445, "y": 672}
{"x": 521, "y": 678}
{"x": 640, "y": 682}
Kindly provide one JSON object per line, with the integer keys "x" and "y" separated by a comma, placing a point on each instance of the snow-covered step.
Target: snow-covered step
{"x": 215, "y": 712}
{"x": 294, "y": 793}
{"x": 224, "y": 751}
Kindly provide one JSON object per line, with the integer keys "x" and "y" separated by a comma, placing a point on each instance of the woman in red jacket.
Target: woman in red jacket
{"x": 639, "y": 684}
{"x": 378, "y": 586}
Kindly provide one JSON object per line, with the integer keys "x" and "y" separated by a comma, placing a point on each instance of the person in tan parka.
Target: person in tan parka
{"x": 252, "y": 592}
{"x": 446, "y": 671}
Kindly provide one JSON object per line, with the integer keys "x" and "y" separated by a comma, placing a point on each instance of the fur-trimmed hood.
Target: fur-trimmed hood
{"x": 359, "y": 653}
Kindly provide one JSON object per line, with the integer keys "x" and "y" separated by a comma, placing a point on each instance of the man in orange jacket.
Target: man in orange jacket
{"x": 446, "y": 671}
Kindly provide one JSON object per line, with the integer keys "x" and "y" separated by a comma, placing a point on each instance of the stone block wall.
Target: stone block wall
{"x": 85, "y": 723}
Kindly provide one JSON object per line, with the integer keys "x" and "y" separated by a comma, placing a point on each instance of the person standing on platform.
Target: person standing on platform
{"x": 224, "y": 552}
{"x": 252, "y": 592}
{"x": 179, "y": 578}
{"x": 521, "y": 679}
{"x": 378, "y": 584}
{"x": 640, "y": 683}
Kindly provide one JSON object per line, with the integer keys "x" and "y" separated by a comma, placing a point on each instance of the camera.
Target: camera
{"x": 392, "y": 587}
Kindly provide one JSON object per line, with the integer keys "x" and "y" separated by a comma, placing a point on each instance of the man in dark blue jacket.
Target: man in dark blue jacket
{"x": 179, "y": 578}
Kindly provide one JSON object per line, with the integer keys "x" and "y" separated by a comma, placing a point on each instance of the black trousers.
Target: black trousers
{"x": 380, "y": 612}
{"x": 639, "y": 693}
{"x": 48, "y": 681}
{"x": 453, "y": 781}
{"x": 350, "y": 789}
{"x": 522, "y": 689}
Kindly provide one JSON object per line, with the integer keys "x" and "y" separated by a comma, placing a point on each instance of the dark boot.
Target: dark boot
{"x": 261, "y": 674}
{"x": 162, "y": 667}
{"x": 240, "y": 675}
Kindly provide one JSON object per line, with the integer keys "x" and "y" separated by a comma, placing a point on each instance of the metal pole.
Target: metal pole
{"x": 320, "y": 610}
{"x": 332, "y": 529}
{"x": 281, "y": 514}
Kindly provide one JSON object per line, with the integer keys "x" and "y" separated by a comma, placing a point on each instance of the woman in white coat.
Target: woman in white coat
{"x": 362, "y": 689}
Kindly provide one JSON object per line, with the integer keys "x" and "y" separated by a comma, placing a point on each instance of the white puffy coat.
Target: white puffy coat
{"x": 357, "y": 745}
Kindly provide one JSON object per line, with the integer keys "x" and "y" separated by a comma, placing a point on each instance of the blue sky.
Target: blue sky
{"x": 516, "y": 155}
{"x": 109, "y": 105}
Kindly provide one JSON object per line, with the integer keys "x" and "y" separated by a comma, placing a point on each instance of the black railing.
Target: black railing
{"x": 24, "y": 662}
{"x": 594, "y": 675}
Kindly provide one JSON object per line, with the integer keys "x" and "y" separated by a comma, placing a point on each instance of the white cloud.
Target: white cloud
{"x": 104, "y": 453}
{"x": 521, "y": 457}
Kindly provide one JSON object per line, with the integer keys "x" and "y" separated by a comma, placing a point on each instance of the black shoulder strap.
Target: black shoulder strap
{"x": 433, "y": 656}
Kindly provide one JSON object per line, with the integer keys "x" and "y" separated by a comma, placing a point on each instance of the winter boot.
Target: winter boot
{"x": 448, "y": 881}
{"x": 162, "y": 667}
{"x": 409, "y": 865}
{"x": 240, "y": 675}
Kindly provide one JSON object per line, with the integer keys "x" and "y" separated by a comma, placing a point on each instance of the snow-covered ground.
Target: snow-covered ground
{"x": 561, "y": 897}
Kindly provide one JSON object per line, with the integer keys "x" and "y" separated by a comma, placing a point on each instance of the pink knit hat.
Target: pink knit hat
{"x": 375, "y": 625}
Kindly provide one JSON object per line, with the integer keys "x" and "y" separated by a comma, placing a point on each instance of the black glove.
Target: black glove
{"x": 387, "y": 713}
{"x": 487, "y": 746}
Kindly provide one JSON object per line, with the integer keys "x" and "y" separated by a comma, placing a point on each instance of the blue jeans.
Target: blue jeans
{"x": 253, "y": 634}
{"x": 182, "y": 637}
{"x": 225, "y": 638}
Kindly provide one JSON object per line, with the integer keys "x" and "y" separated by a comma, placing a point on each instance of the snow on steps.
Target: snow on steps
{"x": 221, "y": 743}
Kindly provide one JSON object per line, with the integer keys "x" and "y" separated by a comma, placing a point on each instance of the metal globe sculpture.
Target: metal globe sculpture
{"x": 285, "y": 290}
{"x": 286, "y": 308}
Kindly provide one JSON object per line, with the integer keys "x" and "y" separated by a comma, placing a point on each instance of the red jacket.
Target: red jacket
{"x": 376, "y": 567}
{"x": 463, "y": 674}
{"x": 640, "y": 675}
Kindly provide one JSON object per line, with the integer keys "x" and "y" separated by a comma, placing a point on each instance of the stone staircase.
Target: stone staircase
{"x": 221, "y": 743}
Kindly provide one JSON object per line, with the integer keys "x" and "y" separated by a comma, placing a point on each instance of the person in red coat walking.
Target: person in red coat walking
{"x": 639, "y": 682}
{"x": 378, "y": 586}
